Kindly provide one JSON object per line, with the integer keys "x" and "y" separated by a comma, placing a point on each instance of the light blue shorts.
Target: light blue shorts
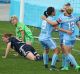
{"x": 69, "y": 43}
{"x": 48, "y": 44}
{"x": 61, "y": 41}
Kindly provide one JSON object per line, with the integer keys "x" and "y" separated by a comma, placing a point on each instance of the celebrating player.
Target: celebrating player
{"x": 46, "y": 39}
{"x": 69, "y": 37}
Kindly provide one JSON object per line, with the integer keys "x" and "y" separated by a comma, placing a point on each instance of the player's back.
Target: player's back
{"x": 46, "y": 29}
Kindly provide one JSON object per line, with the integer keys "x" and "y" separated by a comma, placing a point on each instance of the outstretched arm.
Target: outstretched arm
{"x": 66, "y": 31}
{"x": 7, "y": 50}
{"x": 50, "y": 22}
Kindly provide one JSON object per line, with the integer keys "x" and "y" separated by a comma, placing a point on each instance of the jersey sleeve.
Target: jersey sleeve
{"x": 60, "y": 17}
{"x": 21, "y": 26}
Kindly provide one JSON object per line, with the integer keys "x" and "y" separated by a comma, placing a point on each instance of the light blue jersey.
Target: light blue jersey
{"x": 46, "y": 29}
{"x": 45, "y": 35}
{"x": 69, "y": 23}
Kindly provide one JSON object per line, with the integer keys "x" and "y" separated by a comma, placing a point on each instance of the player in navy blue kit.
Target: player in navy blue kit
{"x": 22, "y": 48}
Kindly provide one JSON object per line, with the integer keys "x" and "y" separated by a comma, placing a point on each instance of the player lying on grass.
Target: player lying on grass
{"x": 22, "y": 31}
{"x": 69, "y": 37}
{"x": 20, "y": 47}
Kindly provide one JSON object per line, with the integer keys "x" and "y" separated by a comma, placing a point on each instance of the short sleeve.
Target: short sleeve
{"x": 21, "y": 26}
{"x": 60, "y": 17}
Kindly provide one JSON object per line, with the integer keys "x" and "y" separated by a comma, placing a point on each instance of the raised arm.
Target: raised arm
{"x": 50, "y": 22}
{"x": 7, "y": 50}
{"x": 66, "y": 31}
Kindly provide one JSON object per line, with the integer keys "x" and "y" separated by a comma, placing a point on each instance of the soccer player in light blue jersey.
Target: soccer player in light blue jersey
{"x": 46, "y": 39}
{"x": 69, "y": 36}
{"x": 61, "y": 33}
{"x": 61, "y": 16}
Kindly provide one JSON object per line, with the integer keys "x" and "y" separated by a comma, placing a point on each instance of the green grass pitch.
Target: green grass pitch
{"x": 19, "y": 65}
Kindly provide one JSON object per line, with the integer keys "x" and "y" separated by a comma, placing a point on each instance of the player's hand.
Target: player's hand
{"x": 59, "y": 21}
{"x": 28, "y": 43}
{"x": 3, "y": 57}
{"x": 56, "y": 27}
{"x": 43, "y": 17}
{"x": 69, "y": 32}
{"x": 15, "y": 54}
{"x": 62, "y": 10}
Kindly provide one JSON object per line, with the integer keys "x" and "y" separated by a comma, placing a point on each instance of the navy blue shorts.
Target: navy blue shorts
{"x": 25, "y": 49}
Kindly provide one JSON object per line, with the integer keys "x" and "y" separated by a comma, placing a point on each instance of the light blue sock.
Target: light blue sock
{"x": 45, "y": 58}
{"x": 54, "y": 59}
{"x": 72, "y": 59}
{"x": 63, "y": 60}
{"x": 57, "y": 58}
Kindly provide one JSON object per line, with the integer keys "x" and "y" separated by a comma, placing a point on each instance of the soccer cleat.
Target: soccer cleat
{"x": 65, "y": 68}
{"x": 53, "y": 68}
{"x": 60, "y": 67}
{"x": 46, "y": 66}
{"x": 39, "y": 58}
{"x": 77, "y": 68}
{"x": 50, "y": 59}
{"x": 58, "y": 60}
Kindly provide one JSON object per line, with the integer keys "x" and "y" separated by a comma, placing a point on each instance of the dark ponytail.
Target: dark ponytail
{"x": 45, "y": 13}
{"x": 49, "y": 11}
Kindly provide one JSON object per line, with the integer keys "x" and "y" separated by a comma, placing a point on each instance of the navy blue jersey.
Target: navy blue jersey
{"x": 15, "y": 44}
{"x": 20, "y": 47}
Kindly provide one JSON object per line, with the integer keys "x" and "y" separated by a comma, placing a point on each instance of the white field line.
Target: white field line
{"x": 55, "y": 38}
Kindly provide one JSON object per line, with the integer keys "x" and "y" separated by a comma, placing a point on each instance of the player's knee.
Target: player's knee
{"x": 46, "y": 51}
{"x": 56, "y": 50}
